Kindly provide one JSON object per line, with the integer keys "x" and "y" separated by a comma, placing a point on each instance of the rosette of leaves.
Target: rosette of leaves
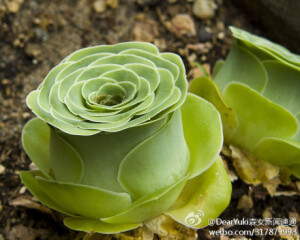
{"x": 118, "y": 141}
{"x": 257, "y": 92}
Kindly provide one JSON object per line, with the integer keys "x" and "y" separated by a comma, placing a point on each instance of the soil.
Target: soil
{"x": 36, "y": 35}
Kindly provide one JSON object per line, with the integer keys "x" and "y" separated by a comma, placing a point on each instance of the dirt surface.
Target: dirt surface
{"x": 36, "y": 35}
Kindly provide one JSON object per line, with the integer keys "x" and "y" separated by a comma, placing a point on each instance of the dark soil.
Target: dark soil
{"x": 36, "y": 35}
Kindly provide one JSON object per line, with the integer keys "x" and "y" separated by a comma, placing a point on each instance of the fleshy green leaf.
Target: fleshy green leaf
{"x": 202, "y": 131}
{"x": 244, "y": 67}
{"x": 102, "y": 153}
{"x": 257, "y": 115}
{"x": 112, "y": 49}
{"x": 181, "y": 81}
{"x": 279, "y": 152}
{"x": 76, "y": 200}
{"x": 295, "y": 169}
{"x": 267, "y": 47}
{"x": 203, "y": 197}
{"x": 36, "y": 142}
{"x": 283, "y": 87}
{"x": 97, "y": 226}
{"x": 66, "y": 164}
{"x": 29, "y": 180}
{"x": 110, "y": 88}
{"x": 47, "y": 117}
{"x": 149, "y": 206}
{"x": 207, "y": 89}
{"x": 158, "y": 162}
{"x": 218, "y": 65}
{"x": 297, "y": 136}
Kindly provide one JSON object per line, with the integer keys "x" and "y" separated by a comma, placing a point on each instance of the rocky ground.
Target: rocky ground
{"x": 36, "y": 35}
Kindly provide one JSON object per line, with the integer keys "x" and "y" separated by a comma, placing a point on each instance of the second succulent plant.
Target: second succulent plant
{"x": 257, "y": 92}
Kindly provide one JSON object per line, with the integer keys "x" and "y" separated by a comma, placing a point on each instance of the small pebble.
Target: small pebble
{"x": 203, "y": 9}
{"x": 33, "y": 167}
{"x": 245, "y": 202}
{"x": 112, "y": 3}
{"x": 22, "y": 190}
{"x": 1, "y": 207}
{"x": 203, "y": 58}
{"x": 145, "y": 31}
{"x": 220, "y": 26}
{"x": 5, "y": 81}
{"x": 160, "y": 43}
{"x": 99, "y": 6}
{"x": 25, "y": 115}
{"x": 2, "y": 169}
{"x": 183, "y": 24}
{"x": 203, "y": 35}
{"x": 13, "y": 6}
{"x": 221, "y": 35}
{"x": 41, "y": 34}
{"x": 33, "y": 50}
{"x": 267, "y": 213}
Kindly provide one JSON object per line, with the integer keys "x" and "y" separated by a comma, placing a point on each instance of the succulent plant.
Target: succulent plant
{"x": 257, "y": 92}
{"x": 118, "y": 141}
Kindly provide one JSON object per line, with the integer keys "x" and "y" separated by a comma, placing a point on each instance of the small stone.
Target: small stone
{"x": 140, "y": 17}
{"x": 1, "y": 207}
{"x": 174, "y": 9}
{"x": 25, "y": 115}
{"x": 33, "y": 5}
{"x": 37, "y": 21}
{"x": 183, "y": 24}
{"x": 267, "y": 213}
{"x": 13, "y": 6}
{"x": 22, "y": 190}
{"x": 203, "y": 35}
{"x": 5, "y": 81}
{"x": 161, "y": 44}
{"x": 145, "y": 31}
{"x": 192, "y": 59}
{"x": 197, "y": 47}
{"x": 195, "y": 73}
{"x": 33, "y": 167}
{"x": 221, "y": 35}
{"x": 245, "y": 202}
{"x": 41, "y": 34}
{"x": 204, "y": 9}
{"x": 112, "y": 3}
{"x": 203, "y": 58}
{"x": 33, "y": 50}
{"x": 220, "y": 26}
{"x": 208, "y": 45}
{"x": 99, "y": 6}
{"x": 2, "y": 169}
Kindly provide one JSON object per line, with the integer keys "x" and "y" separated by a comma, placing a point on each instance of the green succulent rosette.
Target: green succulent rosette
{"x": 257, "y": 91}
{"x": 118, "y": 141}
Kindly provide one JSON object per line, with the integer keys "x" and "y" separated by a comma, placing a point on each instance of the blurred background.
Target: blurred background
{"x": 35, "y": 35}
